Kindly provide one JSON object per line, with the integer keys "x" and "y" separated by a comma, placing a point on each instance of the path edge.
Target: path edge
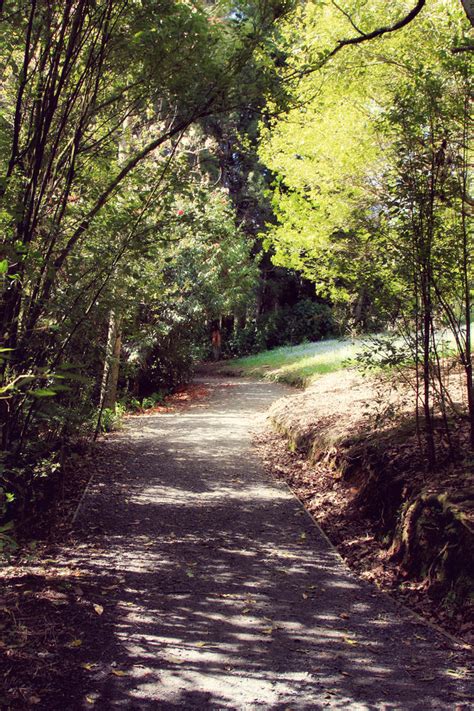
{"x": 464, "y": 646}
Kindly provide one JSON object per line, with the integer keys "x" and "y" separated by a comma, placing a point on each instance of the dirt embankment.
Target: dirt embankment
{"x": 354, "y": 459}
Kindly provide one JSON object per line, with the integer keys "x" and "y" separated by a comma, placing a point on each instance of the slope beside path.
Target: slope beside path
{"x": 202, "y": 584}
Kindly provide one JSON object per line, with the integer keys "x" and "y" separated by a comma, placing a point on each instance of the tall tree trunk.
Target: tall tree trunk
{"x": 426, "y": 346}
{"x": 359, "y": 308}
{"x": 468, "y": 6}
{"x": 466, "y": 261}
{"x": 216, "y": 338}
{"x": 108, "y": 391}
{"x": 469, "y": 378}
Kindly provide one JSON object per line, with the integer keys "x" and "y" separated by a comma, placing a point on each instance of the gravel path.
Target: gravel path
{"x": 218, "y": 591}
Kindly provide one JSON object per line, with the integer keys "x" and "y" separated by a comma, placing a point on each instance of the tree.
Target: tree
{"x": 84, "y": 224}
{"x": 85, "y": 68}
{"x": 372, "y": 168}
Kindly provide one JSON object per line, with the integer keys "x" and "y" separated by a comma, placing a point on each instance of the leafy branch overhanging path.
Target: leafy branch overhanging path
{"x": 213, "y": 588}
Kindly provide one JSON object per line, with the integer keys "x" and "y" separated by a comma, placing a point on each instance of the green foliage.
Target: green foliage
{"x": 333, "y": 153}
{"x": 132, "y": 404}
{"x": 27, "y": 488}
{"x": 112, "y": 418}
{"x": 8, "y": 543}
{"x": 372, "y": 187}
{"x": 384, "y": 352}
{"x": 132, "y": 197}
{"x": 307, "y": 320}
{"x": 153, "y": 400}
{"x": 203, "y": 271}
{"x": 106, "y": 208}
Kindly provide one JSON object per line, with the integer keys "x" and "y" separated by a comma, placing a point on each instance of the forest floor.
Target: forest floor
{"x": 194, "y": 580}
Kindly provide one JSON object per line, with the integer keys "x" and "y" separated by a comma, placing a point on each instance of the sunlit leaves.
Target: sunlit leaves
{"x": 331, "y": 153}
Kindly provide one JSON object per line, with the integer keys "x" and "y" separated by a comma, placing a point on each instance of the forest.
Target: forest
{"x": 195, "y": 181}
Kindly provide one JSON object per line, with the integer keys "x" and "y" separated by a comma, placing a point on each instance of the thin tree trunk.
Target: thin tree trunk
{"x": 426, "y": 343}
{"x": 426, "y": 287}
{"x": 108, "y": 391}
{"x": 465, "y": 267}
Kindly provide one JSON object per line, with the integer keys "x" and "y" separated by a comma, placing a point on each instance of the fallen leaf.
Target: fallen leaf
{"x": 349, "y": 640}
{"x": 190, "y": 574}
{"x": 117, "y": 672}
{"x": 90, "y": 699}
{"x": 267, "y": 630}
{"x": 99, "y": 609}
{"x": 344, "y": 615}
{"x": 246, "y": 610}
{"x": 75, "y": 643}
{"x": 303, "y": 536}
{"x": 200, "y": 644}
{"x": 305, "y": 596}
{"x": 175, "y": 660}
{"x": 88, "y": 665}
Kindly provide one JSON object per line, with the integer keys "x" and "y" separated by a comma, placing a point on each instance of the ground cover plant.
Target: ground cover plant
{"x": 298, "y": 365}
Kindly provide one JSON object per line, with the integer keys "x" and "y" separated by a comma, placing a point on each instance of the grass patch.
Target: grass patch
{"x": 298, "y": 365}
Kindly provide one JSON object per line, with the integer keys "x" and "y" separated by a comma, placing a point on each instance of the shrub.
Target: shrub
{"x": 307, "y": 320}
{"x": 153, "y": 399}
{"x": 112, "y": 419}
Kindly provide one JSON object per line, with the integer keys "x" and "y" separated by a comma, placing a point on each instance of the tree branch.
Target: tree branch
{"x": 366, "y": 37}
{"x": 348, "y": 17}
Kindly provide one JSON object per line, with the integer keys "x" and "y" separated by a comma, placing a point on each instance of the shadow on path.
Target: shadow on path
{"x": 219, "y": 593}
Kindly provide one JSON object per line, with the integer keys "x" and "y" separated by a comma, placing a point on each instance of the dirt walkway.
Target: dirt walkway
{"x": 214, "y": 590}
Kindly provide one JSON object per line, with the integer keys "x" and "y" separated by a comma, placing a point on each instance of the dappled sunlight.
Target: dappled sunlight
{"x": 220, "y": 593}
{"x": 295, "y": 364}
{"x": 168, "y": 496}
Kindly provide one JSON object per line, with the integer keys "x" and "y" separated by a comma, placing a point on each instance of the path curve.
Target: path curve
{"x": 218, "y": 592}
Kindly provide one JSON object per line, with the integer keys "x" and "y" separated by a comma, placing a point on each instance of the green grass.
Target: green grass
{"x": 298, "y": 365}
